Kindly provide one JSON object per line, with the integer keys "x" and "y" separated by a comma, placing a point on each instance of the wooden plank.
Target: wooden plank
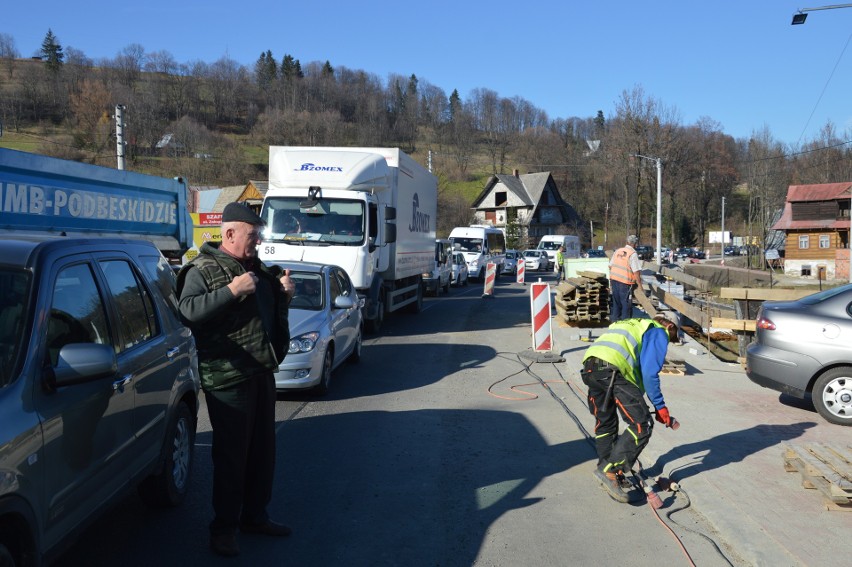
{"x": 681, "y": 306}
{"x": 684, "y": 278}
{"x": 644, "y": 302}
{"x": 733, "y": 324}
{"x": 763, "y": 294}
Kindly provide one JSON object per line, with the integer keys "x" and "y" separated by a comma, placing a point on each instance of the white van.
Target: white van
{"x": 552, "y": 242}
{"x": 480, "y": 245}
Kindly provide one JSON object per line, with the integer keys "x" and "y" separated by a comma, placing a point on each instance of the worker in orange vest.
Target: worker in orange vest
{"x": 624, "y": 274}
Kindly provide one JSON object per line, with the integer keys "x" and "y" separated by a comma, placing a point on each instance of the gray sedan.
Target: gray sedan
{"x": 804, "y": 348}
{"x": 325, "y": 326}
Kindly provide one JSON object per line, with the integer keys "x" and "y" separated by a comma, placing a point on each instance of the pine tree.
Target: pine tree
{"x": 266, "y": 70}
{"x": 51, "y": 52}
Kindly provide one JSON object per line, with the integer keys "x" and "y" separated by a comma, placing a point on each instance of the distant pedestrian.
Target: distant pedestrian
{"x": 624, "y": 275}
{"x": 620, "y": 367}
{"x": 560, "y": 264}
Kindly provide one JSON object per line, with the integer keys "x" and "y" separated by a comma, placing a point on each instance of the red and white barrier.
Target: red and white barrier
{"x": 520, "y": 270}
{"x": 542, "y": 335}
{"x": 490, "y": 276}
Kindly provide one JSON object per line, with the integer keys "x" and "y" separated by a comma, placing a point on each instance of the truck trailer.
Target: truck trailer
{"x": 371, "y": 211}
{"x": 42, "y": 194}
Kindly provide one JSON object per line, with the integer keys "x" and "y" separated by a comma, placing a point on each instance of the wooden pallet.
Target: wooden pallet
{"x": 824, "y": 467}
{"x": 674, "y": 368}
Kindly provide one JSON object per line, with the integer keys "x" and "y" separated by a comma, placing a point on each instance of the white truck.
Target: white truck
{"x": 552, "y": 242}
{"x": 371, "y": 211}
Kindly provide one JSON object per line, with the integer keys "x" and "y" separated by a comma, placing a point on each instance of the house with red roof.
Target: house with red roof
{"x": 816, "y": 222}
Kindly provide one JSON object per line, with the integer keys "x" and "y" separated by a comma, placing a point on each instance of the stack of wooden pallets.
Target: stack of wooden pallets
{"x": 584, "y": 298}
{"x": 824, "y": 467}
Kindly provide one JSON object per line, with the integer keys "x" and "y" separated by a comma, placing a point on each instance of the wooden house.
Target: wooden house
{"x": 816, "y": 224}
{"x": 534, "y": 200}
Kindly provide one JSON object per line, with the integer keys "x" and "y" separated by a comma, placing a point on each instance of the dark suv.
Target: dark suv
{"x": 98, "y": 387}
{"x": 645, "y": 253}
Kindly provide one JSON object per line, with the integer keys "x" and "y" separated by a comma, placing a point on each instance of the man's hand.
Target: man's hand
{"x": 244, "y": 284}
{"x": 287, "y": 284}
{"x": 663, "y": 416}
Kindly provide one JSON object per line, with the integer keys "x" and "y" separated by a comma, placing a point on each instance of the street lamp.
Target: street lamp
{"x": 800, "y": 16}
{"x": 659, "y": 163}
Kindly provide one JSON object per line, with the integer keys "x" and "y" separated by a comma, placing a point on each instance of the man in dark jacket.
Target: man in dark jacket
{"x": 237, "y": 309}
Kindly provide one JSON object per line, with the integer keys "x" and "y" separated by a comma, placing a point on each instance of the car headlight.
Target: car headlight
{"x": 303, "y": 343}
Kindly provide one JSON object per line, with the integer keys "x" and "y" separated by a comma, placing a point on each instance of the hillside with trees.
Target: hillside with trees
{"x": 213, "y": 122}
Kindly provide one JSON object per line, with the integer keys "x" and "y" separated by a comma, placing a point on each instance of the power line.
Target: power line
{"x": 824, "y": 88}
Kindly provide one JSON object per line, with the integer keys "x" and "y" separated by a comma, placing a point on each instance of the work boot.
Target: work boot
{"x": 618, "y": 487}
{"x": 225, "y": 544}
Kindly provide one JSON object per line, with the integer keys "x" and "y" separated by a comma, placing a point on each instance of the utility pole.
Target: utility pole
{"x": 659, "y": 163}
{"x": 723, "y": 231}
{"x": 119, "y": 134}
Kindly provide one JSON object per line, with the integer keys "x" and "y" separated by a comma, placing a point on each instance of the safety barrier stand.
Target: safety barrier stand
{"x": 521, "y": 271}
{"x": 542, "y": 329}
{"x": 490, "y": 276}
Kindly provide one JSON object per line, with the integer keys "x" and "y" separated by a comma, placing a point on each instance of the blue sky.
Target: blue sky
{"x": 738, "y": 62}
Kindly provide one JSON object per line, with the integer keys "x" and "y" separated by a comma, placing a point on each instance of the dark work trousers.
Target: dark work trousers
{"x": 621, "y": 306}
{"x": 243, "y": 420}
{"x": 618, "y": 452}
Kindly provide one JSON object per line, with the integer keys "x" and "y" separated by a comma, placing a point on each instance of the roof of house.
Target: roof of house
{"x": 808, "y": 193}
{"x": 818, "y": 192}
{"x": 227, "y": 195}
{"x": 527, "y": 187}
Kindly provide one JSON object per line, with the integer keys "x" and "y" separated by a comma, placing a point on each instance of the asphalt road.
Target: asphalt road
{"x": 444, "y": 446}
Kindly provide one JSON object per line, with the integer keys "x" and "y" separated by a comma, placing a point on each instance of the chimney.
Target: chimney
{"x": 515, "y": 172}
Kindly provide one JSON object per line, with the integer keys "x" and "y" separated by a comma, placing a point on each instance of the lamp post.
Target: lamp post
{"x": 723, "y": 231}
{"x": 800, "y": 16}
{"x": 798, "y": 19}
{"x": 659, "y": 163}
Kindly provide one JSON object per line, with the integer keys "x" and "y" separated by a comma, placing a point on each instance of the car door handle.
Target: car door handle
{"x": 172, "y": 352}
{"x": 118, "y": 385}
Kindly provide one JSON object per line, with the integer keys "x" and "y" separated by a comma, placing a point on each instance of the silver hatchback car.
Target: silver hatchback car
{"x": 804, "y": 347}
{"x": 325, "y": 326}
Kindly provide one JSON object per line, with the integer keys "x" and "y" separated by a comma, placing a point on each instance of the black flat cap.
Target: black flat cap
{"x": 237, "y": 212}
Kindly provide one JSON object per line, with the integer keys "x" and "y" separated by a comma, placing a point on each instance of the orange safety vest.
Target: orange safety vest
{"x": 619, "y": 267}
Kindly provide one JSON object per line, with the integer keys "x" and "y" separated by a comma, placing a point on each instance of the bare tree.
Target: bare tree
{"x": 91, "y": 115}
{"x": 8, "y": 52}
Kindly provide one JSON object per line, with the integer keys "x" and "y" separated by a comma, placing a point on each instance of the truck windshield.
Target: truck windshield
{"x": 14, "y": 289}
{"x": 468, "y": 244}
{"x": 329, "y": 221}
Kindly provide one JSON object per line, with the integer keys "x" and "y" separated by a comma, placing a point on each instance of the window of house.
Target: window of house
{"x": 804, "y": 241}
{"x": 824, "y": 241}
{"x": 499, "y": 198}
{"x": 806, "y": 270}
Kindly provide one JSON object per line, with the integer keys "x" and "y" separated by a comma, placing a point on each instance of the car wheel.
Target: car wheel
{"x": 355, "y": 355}
{"x": 416, "y": 306}
{"x": 325, "y": 380}
{"x": 168, "y": 487}
{"x": 832, "y": 395}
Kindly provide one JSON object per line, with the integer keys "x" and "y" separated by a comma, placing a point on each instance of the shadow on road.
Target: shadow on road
{"x": 721, "y": 450}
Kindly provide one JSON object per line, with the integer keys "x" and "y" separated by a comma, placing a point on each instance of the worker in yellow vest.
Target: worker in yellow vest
{"x": 624, "y": 274}
{"x": 560, "y": 264}
{"x": 620, "y": 367}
